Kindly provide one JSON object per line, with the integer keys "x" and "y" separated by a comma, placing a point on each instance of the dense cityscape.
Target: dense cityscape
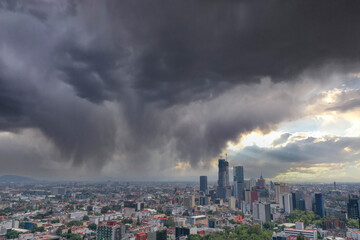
{"x": 179, "y": 120}
{"x": 238, "y": 209}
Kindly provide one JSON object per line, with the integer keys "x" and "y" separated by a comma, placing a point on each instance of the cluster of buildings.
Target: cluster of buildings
{"x": 157, "y": 211}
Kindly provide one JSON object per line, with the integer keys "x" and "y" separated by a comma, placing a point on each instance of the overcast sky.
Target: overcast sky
{"x": 158, "y": 90}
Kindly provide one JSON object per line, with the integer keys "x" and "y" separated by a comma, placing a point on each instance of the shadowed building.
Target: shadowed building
{"x": 224, "y": 189}
{"x": 203, "y": 184}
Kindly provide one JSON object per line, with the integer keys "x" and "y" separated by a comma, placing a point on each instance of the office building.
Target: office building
{"x": 110, "y": 230}
{"x": 279, "y": 189}
{"x": 286, "y": 202}
{"x": 248, "y": 196}
{"x": 189, "y": 202}
{"x": 309, "y": 234}
{"x": 239, "y": 183}
{"x": 181, "y": 232}
{"x": 353, "y": 207}
{"x": 224, "y": 188}
{"x": 160, "y": 234}
{"x": 238, "y": 174}
{"x": 298, "y": 200}
{"x": 252, "y": 183}
{"x": 253, "y": 197}
{"x": 261, "y": 212}
{"x": 203, "y": 184}
{"x": 232, "y": 203}
{"x": 319, "y": 205}
{"x": 261, "y": 182}
{"x": 301, "y": 205}
{"x": 204, "y": 200}
{"x": 58, "y": 190}
{"x": 200, "y": 220}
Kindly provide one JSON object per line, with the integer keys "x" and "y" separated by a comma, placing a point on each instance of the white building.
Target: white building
{"x": 312, "y": 234}
{"x": 261, "y": 212}
{"x": 286, "y": 202}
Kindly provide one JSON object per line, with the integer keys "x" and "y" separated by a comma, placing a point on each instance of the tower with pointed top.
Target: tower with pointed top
{"x": 261, "y": 182}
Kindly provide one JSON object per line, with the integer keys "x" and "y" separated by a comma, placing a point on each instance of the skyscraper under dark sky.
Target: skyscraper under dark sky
{"x": 224, "y": 189}
{"x": 238, "y": 174}
{"x": 239, "y": 183}
{"x": 203, "y": 183}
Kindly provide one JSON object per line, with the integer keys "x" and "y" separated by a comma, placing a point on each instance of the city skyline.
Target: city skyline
{"x": 159, "y": 91}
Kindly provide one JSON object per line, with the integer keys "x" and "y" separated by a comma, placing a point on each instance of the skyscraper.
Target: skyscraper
{"x": 239, "y": 174}
{"x": 261, "y": 182}
{"x": 297, "y": 196}
{"x": 286, "y": 202}
{"x": 319, "y": 205}
{"x": 203, "y": 184}
{"x": 261, "y": 212}
{"x": 239, "y": 183}
{"x": 224, "y": 189}
{"x": 353, "y": 207}
{"x": 279, "y": 189}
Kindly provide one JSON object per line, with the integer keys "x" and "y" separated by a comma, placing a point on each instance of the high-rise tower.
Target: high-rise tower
{"x": 319, "y": 205}
{"x": 224, "y": 189}
{"x": 239, "y": 183}
{"x": 203, "y": 184}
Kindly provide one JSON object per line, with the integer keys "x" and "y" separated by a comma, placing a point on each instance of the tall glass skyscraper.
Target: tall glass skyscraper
{"x": 319, "y": 205}
{"x": 239, "y": 183}
{"x": 353, "y": 208}
{"x": 224, "y": 189}
{"x": 239, "y": 174}
{"x": 203, "y": 184}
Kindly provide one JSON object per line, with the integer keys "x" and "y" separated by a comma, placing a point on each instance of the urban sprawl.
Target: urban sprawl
{"x": 228, "y": 209}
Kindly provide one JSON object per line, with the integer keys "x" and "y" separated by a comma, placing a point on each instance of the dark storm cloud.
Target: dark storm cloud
{"x": 204, "y": 46}
{"x": 127, "y": 78}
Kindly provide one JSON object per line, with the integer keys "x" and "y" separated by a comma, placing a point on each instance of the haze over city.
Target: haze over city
{"x": 161, "y": 90}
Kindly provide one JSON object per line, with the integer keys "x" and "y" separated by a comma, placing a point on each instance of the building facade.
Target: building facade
{"x": 203, "y": 184}
{"x": 224, "y": 189}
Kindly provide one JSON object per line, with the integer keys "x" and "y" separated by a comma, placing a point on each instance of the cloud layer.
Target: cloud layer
{"x": 141, "y": 86}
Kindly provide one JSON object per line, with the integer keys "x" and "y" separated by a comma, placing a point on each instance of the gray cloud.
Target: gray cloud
{"x": 162, "y": 81}
{"x": 282, "y": 139}
{"x": 302, "y": 153}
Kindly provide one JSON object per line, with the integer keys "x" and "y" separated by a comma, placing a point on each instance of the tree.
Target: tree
{"x": 269, "y": 225}
{"x": 300, "y": 236}
{"x": 127, "y": 220}
{"x": 35, "y": 228}
{"x": 353, "y": 223}
{"x": 74, "y": 237}
{"x": 22, "y": 225}
{"x": 55, "y": 220}
{"x": 92, "y": 226}
{"x": 105, "y": 209}
{"x": 74, "y": 223}
{"x": 86, "y": 218}
{"x": 170, "y": 222}
{"x": 306, "y": 217}
{"x": 58, "y": 231}
{"x": 138, "y": 223}
{"x": 12, "y": 234}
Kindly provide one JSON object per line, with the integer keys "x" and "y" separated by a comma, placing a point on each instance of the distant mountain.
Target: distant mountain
{"x": 15, "y": 179}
